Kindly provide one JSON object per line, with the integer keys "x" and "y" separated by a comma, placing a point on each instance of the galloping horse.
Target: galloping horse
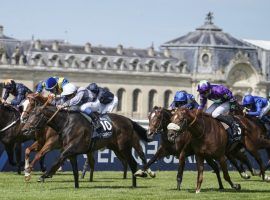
{"x": 48, "y": 139}
{"x": 159, "y": 118}
{"x": 208, "y": 140}
{"x": 10, "y": 136}
{"x": 76, "y": 135}
{"x": 254, "y": 136}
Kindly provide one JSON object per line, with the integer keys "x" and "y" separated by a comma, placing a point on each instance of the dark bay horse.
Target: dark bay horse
{"x": 159, "y": 118}
{"x": 48, "y": 139}
{"x": 10, "y": 134}
{"x": 254, "y": 136}
{"x": 76, "y": 135}
{"x": 208, "y": 140}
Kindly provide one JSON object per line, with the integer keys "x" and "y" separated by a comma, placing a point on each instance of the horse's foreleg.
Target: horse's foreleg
{"x": 242, "y": 157}
{"x": 200, "y": 167}
{"x": 85, "y": 167}
{"x": 161, "y": 152}
{"x": 139, "y": 150}
{"x": 73, "y": 161}
{"x": 10, "y": 152}
{"x": 223, "y": 165}
{"x": 239, "y": 169}
{"x": 18, "y": 153}
{"x": 215, "y": 167}
{"x": 258, "y": 158}
{"x": 28, "y": 150}
{"x": 181, "y": 167}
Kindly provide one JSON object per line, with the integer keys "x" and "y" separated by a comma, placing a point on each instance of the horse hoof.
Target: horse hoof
{"x": 237, "y": 186}
{"x": 140, "y": 173}
{"x": 178, "y": 186}
{"x": 198, "y": 191}
{"x": 41, "y": 180}
{"x": 151, "y": 173}
{"x": 244, "y": 175}
{"x": 27, "y": 178}
{"x": 266, "y": 178}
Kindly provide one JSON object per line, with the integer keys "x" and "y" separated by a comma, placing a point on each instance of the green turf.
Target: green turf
{"x": 110, "y": 185}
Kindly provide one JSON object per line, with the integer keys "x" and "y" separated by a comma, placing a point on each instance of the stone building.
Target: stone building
{"x": 142, "y": 78}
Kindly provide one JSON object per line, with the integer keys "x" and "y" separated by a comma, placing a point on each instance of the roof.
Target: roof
{"x": 264, "y": 44}
{"x": 207, "y": 35}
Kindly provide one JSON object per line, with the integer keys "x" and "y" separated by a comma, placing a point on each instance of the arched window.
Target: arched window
{"x": 120, "y": 96}
{"x": 151, "y": 99}
{"x": 167, "y": 98}
{"x": 135, "y": 100}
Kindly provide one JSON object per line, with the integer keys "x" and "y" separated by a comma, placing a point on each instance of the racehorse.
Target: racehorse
{"x": 48, "y": 139}
{"x": 208, "y": 140}
{"x": 254, "y": 136}
{"x": 10, "y": 134}
{"x": 76, "y": 135}
{"x": 159, "y": 118}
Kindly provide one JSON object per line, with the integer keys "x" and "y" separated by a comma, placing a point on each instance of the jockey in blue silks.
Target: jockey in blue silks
{"x": 257, "y": 106}
{"x": 183, "y": 99}
{"x": 223, "y": 100}
{"x": 53, "y": 84}
{"x": 18, "y": 90}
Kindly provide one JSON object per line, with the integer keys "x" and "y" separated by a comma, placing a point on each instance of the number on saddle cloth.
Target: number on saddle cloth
{"x": 106, "y": 126}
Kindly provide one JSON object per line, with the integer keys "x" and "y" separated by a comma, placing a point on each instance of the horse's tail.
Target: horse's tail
{"x": 141, "y": 132}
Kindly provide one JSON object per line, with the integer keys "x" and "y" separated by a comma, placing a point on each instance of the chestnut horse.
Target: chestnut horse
{"x": 76, "y": 136}
{"x": 159, "y": 118}
{"x": 208, "y": 140}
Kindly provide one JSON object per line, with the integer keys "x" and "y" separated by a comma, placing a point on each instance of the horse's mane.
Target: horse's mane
{"x": 37, "y": 97}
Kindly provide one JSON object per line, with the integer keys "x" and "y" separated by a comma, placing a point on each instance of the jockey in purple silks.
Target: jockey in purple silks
{"x": 223, "y": 100}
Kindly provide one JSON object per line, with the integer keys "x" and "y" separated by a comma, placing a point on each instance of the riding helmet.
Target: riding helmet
{"x": 50, "y": 83}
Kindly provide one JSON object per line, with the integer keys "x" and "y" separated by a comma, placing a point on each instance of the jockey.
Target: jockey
{"x": 257, "y": 106}
{"x": 18, "y": 90}
{"x": 78, "y": 99}
{"x": 53, "y": 84}
{"x": 105, "y": 101}
{"x": 223, "y": 100}
{"x": 183, "y": 99}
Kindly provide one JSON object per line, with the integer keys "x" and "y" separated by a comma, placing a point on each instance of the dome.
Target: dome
{"x": 207, "y": 35}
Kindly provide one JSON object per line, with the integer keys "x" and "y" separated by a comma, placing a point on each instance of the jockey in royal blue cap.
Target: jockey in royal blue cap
{"x": 53, "y": 84}
{"x": 183, "y": 99}
{"x": 18, "y": 90}
{"x": 223, "y": 100}
{"x": 257, "y": 106}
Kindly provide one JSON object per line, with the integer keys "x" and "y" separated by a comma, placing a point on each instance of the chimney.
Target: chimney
{"x": 37, "y": 45}
{"x": 151, "y": 51}
{"x": 88, "y": 47}
{"x": 119, "y": 49}
{"x": 167, "y": 53}
{"x": 55, "y": 46}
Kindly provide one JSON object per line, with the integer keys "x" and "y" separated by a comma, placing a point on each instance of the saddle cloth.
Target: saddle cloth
{"x": 105, "y": 130}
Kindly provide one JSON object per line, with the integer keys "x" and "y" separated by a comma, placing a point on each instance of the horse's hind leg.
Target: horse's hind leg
{"x": 258, "y": 158}
{"x": 123, "y": 161}
{"x": 132, "y": 164}
{"x": 73, "y": 161}
{"x": 241, "y": 170}
{"x": 91, "y": 161}
{"x": 215, "y": 167}
{"x": 85, "y": 167}
{"x": 242, "y": 157}
{"x": 226, "y": 175}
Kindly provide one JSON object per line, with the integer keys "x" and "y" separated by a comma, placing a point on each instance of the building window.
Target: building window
{"x": 151, "y": 99}
{"x": 120, "y": 94}
{"x": 135, "y": 100}
{"x": 205, "y": 58}
{"x": 167, "y": 98}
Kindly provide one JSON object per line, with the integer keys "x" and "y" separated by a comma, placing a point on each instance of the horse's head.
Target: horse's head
{"x": 155, "y": 121}
{"x": 180, "y": 121}
{"x": 37, "y": 120}
{"x": 32, "y": 100}
{"x": 237, "y": 109}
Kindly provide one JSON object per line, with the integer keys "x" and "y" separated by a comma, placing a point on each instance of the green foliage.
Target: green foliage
{"x": 110, "y": 185}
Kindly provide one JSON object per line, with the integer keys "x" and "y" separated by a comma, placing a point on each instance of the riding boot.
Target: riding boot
{"x": 95, "y": 120}
{"x": 235, "y": 127}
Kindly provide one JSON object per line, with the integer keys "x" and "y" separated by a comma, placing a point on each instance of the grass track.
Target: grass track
{"x": 110, "y": 185}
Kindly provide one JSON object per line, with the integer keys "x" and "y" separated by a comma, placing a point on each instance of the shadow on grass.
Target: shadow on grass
{"x": 100, "y": 187}
{"x": 229, "y": 190}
